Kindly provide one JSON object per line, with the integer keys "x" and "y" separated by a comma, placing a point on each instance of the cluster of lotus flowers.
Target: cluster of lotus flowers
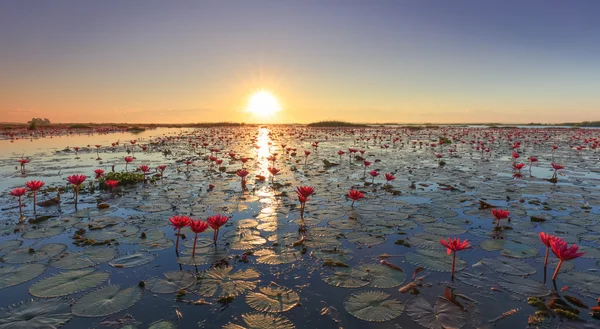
{"x": 35, "y": 185}
{"x": 559, "y": 247}
{"x": 198, "y": 226}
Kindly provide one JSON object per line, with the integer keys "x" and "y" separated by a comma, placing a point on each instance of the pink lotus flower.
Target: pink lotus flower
{"x": 561, "y": 250}
{"x": 556, "y": 167}
{"x": 355, "y": 195}
{"x": 128, "y": 160}
{"x": 304, "y": 192}
{"x": 197, "y": 226}
{"x": 76, "y": 180}
{"x": 389, "y": 178}
{"x": 179, "y": 222}
{"x": 242, "y": 173}
{"x": 216, "y": 222}
{"x": 454, "y": 245}
{"x": 161, "y": 169}
{"x": 34, "y": 186}
{"x": 99, "y": 173}
{"x": 19, "y": 192}
{"x": 111, "y": 184}
{"x": 500, "y": 214}
{"x": 547, "y": 241}
{"x": 373, "y": 174}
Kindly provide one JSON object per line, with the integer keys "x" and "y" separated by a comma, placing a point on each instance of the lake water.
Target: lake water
{"x": 272, "y": 268}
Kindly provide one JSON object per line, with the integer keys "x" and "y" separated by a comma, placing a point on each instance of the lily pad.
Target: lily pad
{"x": 12, "y": 276}
{"x": 443, "y": 315}
{"x": 273, "y": 299}
{"x": 222, "y": 282}
{"x": 172, "y": 282}
{"x": 509, "y": 266}
{"x": 85, "y": 258}
{"x": 261, "y": 321}
{"x": 36, "y": 313}
{"x": 524, "y": 286}
{"x": 381, "y": 276}
{"x": 31, "y": 254}
{"x": 347, "y": 278}
{"x": 373, "y": 306}
{"x": 435, "y": 260}
{"x": 133, "y": 260}
{"x": 106, "y": 301}
{"x": 67, "y": 283}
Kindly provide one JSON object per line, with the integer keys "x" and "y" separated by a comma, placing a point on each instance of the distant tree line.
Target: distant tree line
{"x": 35, "y": 122}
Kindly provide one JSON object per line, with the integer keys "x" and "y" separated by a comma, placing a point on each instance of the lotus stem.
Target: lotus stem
{"x": 557, "y": 269}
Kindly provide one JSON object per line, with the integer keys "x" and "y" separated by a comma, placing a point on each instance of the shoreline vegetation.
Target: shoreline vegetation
{"x": 139, "y": 127}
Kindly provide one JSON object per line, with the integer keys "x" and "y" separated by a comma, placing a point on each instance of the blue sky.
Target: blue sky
{"x": 368, "y": 61}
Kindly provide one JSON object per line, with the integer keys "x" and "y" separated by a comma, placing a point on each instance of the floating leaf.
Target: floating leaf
{"x": 277, "y": 256}
{"x": 30, "y": 254}
{"x": 42, "y": 232}
{"x": 382, "y": 276}
{"x": 36, "y": 313}
{"x": 172, "y": 282}
{"x": 204, "y": 256}
{"x": 435, "y": 260}
{"x": 133, "y": 260}
{"x": 106, "y": 301}
{"x": 67, "y": 283}
{"x": 524, "y": 286}
{"x": 162, "y": 324}
{"x": 584, "y": 281}
{"x": 221, "y": 282}
{"x": 273, "y": 299}
{"x": 9, "y": 245}
{"x": 373, "y": 306}
{"x": 262, "y": 321}
{"x": 80, "y": 259}
{"x": 347, "y": 278}
{"x": 443, "y": 315}
{"x": 509, "y": 266}
{"x": 12, "y": 276}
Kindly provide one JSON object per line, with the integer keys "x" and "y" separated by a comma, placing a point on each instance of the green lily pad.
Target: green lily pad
{"x": 67, "y": 283}
{"x": 172, "y": 282}
{"x": 36, "y": 313}
{"x": 132, "y": 260}
{"x": 107, "y": 300}
{"x": 435, "y": 260}
{"x": 80, "y": 259}
{"x": 444, "y": 314}
{"x": 12, "y": 276}
{"x": 509, "y": 266}
{"x": 29, "y": 255}
{"x": 373, "y": 306}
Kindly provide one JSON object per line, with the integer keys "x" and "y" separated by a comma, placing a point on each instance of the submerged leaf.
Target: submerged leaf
{"x": 36, "y": 313}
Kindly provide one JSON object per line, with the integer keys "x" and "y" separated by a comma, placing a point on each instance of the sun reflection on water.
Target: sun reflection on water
{"x": 263, "y": 141}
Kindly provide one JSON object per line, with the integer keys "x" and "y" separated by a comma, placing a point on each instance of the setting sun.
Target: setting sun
{"x": 263, "y": 103}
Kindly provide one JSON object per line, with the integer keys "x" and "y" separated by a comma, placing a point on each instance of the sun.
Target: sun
{"x": 263, "y": 103}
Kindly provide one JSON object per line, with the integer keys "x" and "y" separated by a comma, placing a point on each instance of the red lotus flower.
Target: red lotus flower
{"x": 454, "y": 245}
{"x": 389, "y": 177}
{"x": 76, "y": 180}
{"x": 111, "y": 184}
{"x": 218, "y": 161}
{"x": 561, "y": 250}
{"x": 179, "y": 222}
{"x": 197, "y": 226}
{"x": 216, "y": 222}
{"x": 242, "y": 173}
{"x": 244, "y": 160}
{"x": 128, "y": 159}
{"x": 306, "y": 153}
{"x": 35, "y": 185}
{"x": 367, "y": 163}
{"x": 99, "y": 173}
{"x": 373, "y": 174}
{"x": 161, "y": 168}
{"x": 532, "y": 159}
{"x": 518, "y": 166}
{"x": 557, "y": 166}
{"x": 305, "y": 191}
{"x": 23, "y": 162}
{"x": 144, "y": 168}
{"x": 355, "y": 195}
{"x": 19, "y": 192}
{"x": 515, "y": 155}
{"x": 547, "y": 241}
{"x": 500, "y": 214}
